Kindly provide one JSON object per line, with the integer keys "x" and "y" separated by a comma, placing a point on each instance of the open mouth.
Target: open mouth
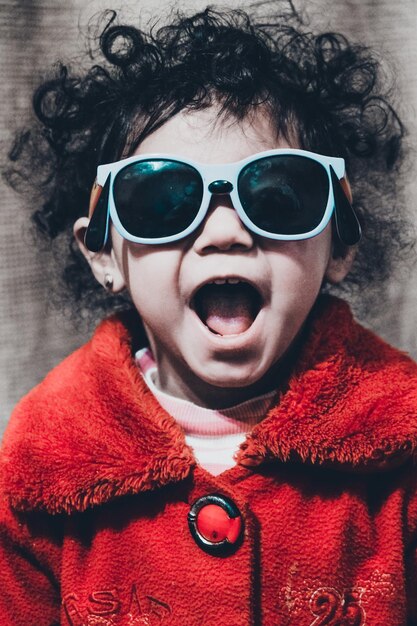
{"x": 227, "y": 306}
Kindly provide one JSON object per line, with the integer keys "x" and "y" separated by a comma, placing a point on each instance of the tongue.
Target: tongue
{"x": 228, "y": 309}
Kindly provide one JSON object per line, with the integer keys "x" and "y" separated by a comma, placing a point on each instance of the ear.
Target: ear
{"x": 103, "y": 263}
{"x": 338, "y": 267}
{"x": 341, "y": 261}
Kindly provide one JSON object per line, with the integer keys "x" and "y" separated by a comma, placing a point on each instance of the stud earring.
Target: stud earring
{"x": 108, "y": 282}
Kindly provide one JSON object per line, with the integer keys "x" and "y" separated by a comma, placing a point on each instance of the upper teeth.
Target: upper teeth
{"x": 223, "y": 281}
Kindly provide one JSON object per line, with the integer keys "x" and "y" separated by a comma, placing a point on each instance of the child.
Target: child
{"x": 232, "y": 447}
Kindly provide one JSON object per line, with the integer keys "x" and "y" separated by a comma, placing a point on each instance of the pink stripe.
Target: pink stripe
{"x": 216, "y": 468}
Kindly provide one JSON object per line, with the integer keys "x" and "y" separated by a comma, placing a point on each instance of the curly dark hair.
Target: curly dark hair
{"x": 323, "y": 88}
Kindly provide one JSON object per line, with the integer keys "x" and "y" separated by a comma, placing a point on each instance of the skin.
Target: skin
{"x": 193, "y": 363}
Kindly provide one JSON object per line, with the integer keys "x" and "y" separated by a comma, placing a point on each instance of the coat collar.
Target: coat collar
{"x": 93, "y": 431}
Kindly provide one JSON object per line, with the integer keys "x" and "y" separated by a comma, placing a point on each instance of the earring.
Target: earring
{"x": 108, "y": 282}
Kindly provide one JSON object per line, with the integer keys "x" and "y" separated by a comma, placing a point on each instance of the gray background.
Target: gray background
{"x": 33, "y": 35}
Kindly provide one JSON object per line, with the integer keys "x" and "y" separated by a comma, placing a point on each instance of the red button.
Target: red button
{"x": 216, "y": 524}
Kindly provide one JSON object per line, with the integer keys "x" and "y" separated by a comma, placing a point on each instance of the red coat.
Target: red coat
{"x": 100, "y": 482}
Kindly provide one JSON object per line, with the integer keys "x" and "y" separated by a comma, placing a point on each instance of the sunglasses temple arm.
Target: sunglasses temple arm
{"x": 96, "y": 234}
{"x": 348, "y": 227}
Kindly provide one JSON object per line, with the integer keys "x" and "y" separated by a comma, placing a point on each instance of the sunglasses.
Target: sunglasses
{"x": 282, "y": 194}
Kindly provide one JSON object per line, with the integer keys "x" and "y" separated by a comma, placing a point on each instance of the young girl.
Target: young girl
{"x": 232, "y": 447}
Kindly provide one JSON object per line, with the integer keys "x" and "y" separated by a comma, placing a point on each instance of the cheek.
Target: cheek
{"x": 151, "y": 279}
{"x": 306, "y": 260}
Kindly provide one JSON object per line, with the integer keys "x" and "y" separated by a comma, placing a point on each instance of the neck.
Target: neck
{"x": 182, "y": 383}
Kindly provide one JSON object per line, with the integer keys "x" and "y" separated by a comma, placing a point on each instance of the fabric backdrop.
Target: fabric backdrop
{"x": 33, "y": 35}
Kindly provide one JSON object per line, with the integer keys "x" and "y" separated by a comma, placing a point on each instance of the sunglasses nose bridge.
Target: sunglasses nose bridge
{"x": 220, "y": 187}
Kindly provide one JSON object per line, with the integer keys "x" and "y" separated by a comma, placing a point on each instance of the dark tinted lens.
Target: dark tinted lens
{"x": 285, "y": 195}
{"x": 157, "y": 198}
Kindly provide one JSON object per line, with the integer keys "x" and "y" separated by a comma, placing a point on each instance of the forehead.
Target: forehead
{"x": 208, "y": 137}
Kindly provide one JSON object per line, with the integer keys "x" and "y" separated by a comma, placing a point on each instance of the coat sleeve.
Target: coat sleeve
{"x": 412, "y": 590}
{"x": 29, "y": 590}
{"x": 411, "y": 553}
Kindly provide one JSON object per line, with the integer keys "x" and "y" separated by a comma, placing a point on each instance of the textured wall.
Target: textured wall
{"x": 32, "y": 36}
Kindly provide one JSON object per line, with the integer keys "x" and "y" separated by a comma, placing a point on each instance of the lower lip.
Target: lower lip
{"x": 232, "y": 342}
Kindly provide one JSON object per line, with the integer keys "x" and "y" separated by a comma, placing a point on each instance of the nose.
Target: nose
{"x": 222, "y": 229}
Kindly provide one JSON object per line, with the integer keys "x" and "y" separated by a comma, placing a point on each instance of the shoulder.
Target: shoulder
{"x": 337, "y": 335}
{"x": 351, "y": 400}
{"x": 376, "y": 382}
{"x": 90, "y": 431}
{"x": 62, "y": 410}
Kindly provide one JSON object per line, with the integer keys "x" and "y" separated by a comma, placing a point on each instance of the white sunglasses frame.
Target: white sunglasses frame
{"x": 218, "y": 172}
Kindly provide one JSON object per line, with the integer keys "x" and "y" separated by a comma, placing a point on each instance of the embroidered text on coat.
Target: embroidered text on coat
{"x": 332, "y": 608}
{"x": 105, "y": 608}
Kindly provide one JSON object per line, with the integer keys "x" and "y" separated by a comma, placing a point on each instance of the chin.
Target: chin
{"x": 231, "y": 376}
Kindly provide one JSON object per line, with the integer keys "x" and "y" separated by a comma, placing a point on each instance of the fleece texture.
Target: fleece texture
{"x": 97, "y": 482}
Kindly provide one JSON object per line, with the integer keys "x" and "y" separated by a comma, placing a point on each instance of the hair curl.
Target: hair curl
{"x": 321, "y": 88}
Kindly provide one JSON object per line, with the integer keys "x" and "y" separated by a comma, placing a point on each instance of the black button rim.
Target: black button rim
{"x": 221, "y": 548}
